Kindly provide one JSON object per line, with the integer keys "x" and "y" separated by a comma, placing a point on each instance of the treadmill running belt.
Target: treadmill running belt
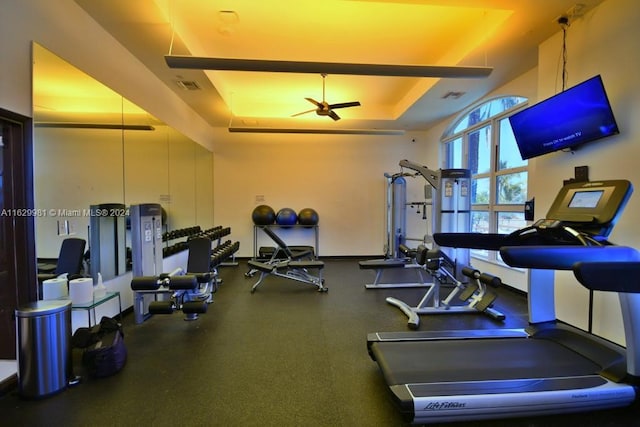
{"x": 487, "y": 359}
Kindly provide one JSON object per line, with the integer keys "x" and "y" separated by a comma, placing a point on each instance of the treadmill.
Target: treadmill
{"x": 548, "y": 367}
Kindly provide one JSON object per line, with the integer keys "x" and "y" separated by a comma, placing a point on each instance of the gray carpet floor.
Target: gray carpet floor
{"x": 285, "y": 355}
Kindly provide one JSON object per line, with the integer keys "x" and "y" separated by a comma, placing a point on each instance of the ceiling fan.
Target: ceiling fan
{"x": 324, "y": 108}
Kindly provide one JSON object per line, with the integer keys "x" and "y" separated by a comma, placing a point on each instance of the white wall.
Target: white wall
{"x": 340, "y": 176}
{"x": 602, "y": 42}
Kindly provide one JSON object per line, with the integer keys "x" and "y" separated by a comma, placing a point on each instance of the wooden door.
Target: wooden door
{"x": 17, "y": 245}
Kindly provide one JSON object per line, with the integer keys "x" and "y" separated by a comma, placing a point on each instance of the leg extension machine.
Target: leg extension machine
{"x": 478, "y": 299}
{"x": 190, "y": 292}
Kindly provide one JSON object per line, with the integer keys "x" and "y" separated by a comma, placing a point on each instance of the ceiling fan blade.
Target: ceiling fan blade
{"x": 314, "y": 102}
{"x": 390, "y": 70}
{"x": 344, "y": 105}
{"x": 304, "y": 112}
{"x": 333, "y": 115}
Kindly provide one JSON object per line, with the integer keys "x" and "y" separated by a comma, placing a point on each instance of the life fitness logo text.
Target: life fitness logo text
{"x": 437, "y": 406}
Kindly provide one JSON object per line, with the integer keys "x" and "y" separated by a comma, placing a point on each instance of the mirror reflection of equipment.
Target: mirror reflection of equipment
{"x": 107, "y": 240}
{"x": 146, "y": 245}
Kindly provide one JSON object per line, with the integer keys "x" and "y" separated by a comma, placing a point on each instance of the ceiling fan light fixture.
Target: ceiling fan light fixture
{"x": 324, "y": 108}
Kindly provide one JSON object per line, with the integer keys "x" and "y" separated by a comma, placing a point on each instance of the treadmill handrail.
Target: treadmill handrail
{"x": 607, "y": 276}
{"x": 621, "y": 277}
{"x": 473, "y": 240}
{"x": 564, "y": 257}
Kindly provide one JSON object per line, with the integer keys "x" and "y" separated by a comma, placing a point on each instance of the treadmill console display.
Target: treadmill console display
{"x": 585, "y": 199}
{"x": 591, "y": 207}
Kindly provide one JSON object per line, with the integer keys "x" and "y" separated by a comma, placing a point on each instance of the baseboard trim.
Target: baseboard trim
{"x": 9, "y": 384}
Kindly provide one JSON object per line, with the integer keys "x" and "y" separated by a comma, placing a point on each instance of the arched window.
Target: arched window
{"x": 481, "y": 140}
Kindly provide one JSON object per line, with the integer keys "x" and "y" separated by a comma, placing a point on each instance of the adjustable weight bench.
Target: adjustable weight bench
{"x": 295, "y": 265}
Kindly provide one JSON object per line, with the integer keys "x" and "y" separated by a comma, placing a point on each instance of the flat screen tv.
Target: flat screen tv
{"x": 577, "y": 115}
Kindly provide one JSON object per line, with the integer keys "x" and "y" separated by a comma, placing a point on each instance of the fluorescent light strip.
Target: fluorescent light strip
{"x": 230, "y": 64}
{"x": 319, "y": 131}
{"x": 63, "y": 125}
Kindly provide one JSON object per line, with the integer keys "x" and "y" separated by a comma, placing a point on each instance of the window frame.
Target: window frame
{"x": 462, "y": 136}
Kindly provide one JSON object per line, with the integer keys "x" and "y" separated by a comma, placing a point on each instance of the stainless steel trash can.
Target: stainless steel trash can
{"x": 43, "y": 347}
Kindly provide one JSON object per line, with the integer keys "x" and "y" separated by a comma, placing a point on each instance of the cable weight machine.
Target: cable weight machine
{"x": 447, "y": 192}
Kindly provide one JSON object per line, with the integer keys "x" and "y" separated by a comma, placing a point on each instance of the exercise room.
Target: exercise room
{"x": 319, "y": 213}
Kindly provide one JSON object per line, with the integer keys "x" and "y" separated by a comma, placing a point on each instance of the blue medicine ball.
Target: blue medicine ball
{"x": 286, "y": 217}
{"x": 263, "y": 215}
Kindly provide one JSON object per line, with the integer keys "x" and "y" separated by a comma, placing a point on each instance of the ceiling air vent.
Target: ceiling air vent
{"x": 453, "y": 95}
{"x": 188, "y": 85}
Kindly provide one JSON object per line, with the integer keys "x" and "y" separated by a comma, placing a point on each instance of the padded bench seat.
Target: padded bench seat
{"x": 380, "y": 266}
{"x": 376, "y": 264}
{"x": 267, "y": 252}
{"x": 261, "y": 266}
{"x": 269, "y": 268}
{"x": 318, "y": 265}
{"x": 152, "y": 283}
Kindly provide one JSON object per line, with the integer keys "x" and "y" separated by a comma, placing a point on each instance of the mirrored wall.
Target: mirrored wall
{"x": 92, "y": 146}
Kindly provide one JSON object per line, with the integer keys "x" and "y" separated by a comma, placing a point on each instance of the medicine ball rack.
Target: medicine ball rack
{"x": 257, "y": 230}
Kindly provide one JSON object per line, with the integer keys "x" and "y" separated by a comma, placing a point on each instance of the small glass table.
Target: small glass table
{"x": 90, "y": 306}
